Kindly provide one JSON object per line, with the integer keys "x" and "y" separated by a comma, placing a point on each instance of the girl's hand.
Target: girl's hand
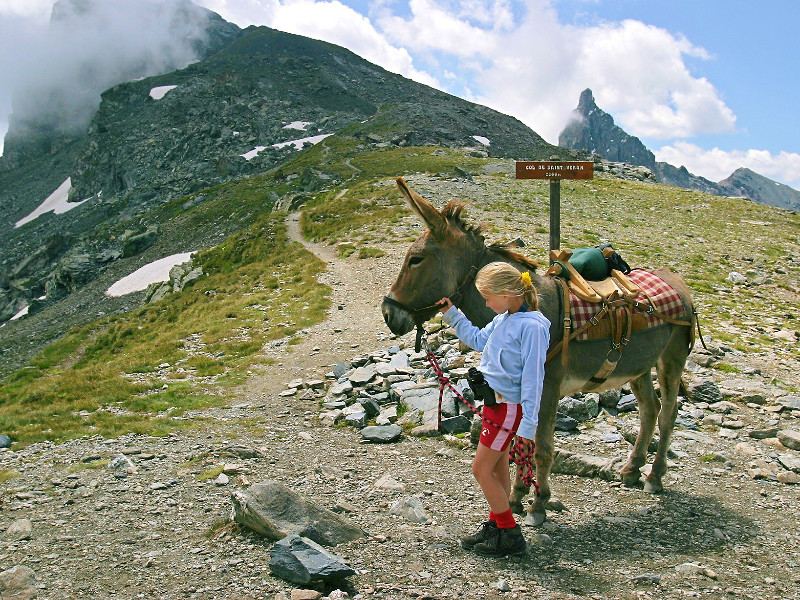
{"x": 445, "y": 305}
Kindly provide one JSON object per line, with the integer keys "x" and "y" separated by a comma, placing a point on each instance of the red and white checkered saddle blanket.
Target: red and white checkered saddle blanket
{"x": 664, "y": 297}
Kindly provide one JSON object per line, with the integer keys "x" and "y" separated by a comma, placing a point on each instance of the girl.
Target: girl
{"x": 514, "y": 346}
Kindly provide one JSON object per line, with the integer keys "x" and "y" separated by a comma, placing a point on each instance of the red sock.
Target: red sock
{"x": 492, "y": 516}
{"x": 505, "y": 520}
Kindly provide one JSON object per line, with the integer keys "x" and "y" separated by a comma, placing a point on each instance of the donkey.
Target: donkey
{"x": 440, "y": 262}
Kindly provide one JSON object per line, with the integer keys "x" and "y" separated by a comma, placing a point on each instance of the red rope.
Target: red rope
{"x": 521, "y": 452}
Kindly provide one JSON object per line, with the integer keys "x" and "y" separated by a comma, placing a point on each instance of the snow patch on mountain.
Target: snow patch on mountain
{"x": 157, "y": 93}
{"x": 151, "y": 273}
{"x": 55, "y": 202}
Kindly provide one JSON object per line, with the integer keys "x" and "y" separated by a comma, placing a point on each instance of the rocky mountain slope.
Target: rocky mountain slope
{"x": 593, "y": 130}
{"x": 55, "y": 103}
{"x": 234, "y": 114}
{"x": 761, "y": 189}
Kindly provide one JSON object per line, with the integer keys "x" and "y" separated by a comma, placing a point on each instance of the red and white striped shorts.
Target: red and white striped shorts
{"x": 505, "y": 415}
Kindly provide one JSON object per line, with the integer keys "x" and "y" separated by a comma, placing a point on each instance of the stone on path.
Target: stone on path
{"x": 18, "y": 583}
{"x": 382, "y": 434}
{"x": 568, "y": 463}
{"x": 301, "y": 560}
{"x": 21, "y": 529}
{"x": 790, "y": 438}
{"x": 273, "y": 510}
{"x": 410, "y": 508}
{"x": 362, "y": 375}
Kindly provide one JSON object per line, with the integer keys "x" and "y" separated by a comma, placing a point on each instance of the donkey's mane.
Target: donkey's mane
{"x": 453, "y": 211}
{"x": 506, "y": 250}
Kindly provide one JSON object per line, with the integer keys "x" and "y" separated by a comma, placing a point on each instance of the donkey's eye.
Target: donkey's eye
{"x": 415, "y": 261}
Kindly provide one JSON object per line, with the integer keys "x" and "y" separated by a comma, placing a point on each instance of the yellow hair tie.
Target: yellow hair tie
{"x": 526, "y": 279}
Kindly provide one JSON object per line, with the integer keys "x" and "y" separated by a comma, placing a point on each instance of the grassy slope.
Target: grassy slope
{"x": 100, "y": 378}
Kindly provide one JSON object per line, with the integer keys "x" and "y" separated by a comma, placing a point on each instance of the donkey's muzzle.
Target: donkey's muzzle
{"x": 397, "y": 320}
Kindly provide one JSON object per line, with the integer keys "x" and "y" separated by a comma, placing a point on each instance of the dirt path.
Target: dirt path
{"x": 354, "y": 326}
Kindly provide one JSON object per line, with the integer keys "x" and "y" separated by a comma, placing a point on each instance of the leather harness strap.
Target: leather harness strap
{"x": 620, "y": 314}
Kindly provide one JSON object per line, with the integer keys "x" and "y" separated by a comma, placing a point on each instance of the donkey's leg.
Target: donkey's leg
{"x": 645, "y": 394}
{"x": 670, "y": 368}
{"x": 542, "y": 456}
{"x": 518, "y": 493}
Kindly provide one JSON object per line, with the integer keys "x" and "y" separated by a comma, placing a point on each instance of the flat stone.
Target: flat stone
{"x": 788, "y": 477}
{"x": 362, "y": 375}
{"x": 340, "y": 388}
{"x": 426, "y": 430}
{"x": 382, "y": 434}
{"x": 790, "y": 461}
{"x": 790, "y": 438}
{"x": 274, "y": 511}
{"x": 387, "y": 482}
{"x": 301, "y": 560}
{"x": 760, "y": 434}
{"x": 791, "y": 402}
{"x": 627, "y": 403}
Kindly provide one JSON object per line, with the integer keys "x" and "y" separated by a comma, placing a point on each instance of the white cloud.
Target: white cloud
{"x": 637, "y": 72}
{"x": 37, "y": 9}
{"x": 434, "y": 27}
{"x": 56, "y": 72}
{"x": 717, "y": 164}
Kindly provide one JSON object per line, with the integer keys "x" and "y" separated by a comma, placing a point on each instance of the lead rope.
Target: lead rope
{"x": 521, "y": 454}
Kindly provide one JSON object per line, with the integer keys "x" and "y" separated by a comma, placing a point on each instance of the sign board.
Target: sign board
{"x": 555, "y": 170}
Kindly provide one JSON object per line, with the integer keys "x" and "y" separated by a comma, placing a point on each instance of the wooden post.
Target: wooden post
{"x": 555, "y": 210}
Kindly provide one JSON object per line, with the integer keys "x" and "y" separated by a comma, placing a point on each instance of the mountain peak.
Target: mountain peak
{"x": 760, "y": 189}
{"x": 594, "y": 130}
{"x": 586, "y": 103}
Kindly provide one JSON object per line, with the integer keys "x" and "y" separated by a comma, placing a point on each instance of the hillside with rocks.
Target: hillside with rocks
{"x": 248, "y": 108}
{"x": 161, "y": 516}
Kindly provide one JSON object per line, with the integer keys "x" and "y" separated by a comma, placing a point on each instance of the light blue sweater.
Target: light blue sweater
{"x": 514, "y": 348}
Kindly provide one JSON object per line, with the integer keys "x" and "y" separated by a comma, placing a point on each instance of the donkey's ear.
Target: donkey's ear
{"x": 424, "y": 209}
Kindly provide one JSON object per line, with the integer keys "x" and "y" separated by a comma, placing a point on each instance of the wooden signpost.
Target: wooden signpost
{"x": 555, "y": 170}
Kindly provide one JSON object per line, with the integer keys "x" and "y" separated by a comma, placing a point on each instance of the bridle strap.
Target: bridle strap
{"x": 419, "y": 314}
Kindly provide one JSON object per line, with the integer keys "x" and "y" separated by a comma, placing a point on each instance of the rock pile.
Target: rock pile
{"x": 396, "y": 391}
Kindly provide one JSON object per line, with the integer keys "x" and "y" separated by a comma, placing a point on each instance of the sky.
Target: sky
{"x": 707, "y": 84}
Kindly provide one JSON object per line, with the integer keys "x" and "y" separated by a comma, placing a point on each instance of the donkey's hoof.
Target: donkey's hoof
{"x": 632, "y": 480}
{"x": 535, "y": 519}
{"x": 653, "y": 487}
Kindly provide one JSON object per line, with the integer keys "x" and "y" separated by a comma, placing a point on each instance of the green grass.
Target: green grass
{"x": 6, "y": 474}
{"x": 211, "y": 473}
{"x": 370, "y": 252}
{"x": 102, "y": 378}
{"x": 725, "y": 368}
{"x": 94, "y": 464}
